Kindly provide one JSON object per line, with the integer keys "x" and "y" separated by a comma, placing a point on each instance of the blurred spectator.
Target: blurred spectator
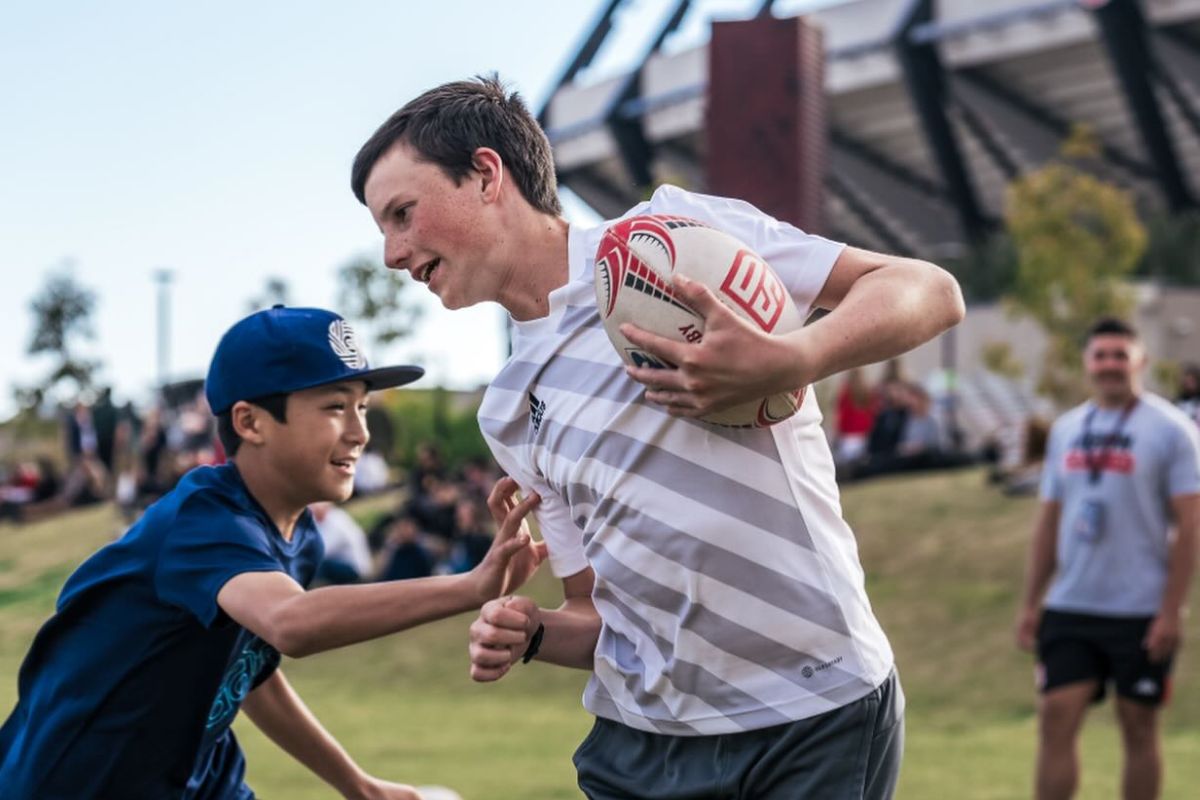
{"x": 433, "y": 509}
{"x": 888, "y": 427}
{"x": 104, "y": 423}
{"x": 471, "y": 537}
{"x": 403, "y": 555}
{"x": 347, "y": 557}
{"x": 429, "y": 465}
{"x": 922, "y": 434}
{"x": 1026, "y": 478}
{"x": 370, "y": 474}
{"x": 855, "y": 415}
{"x": 1188, "y": 399}
{"x": 479, "y": 475}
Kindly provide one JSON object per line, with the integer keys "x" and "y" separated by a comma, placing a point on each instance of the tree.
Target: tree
{"x": 62, "y": 313}
{"x": 1077, "y": 240}
{"x": 374, "y": 295}
{"x": 275, "y": 292}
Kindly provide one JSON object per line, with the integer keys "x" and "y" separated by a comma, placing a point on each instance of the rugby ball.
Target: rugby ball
{"x": 634, "y": 263}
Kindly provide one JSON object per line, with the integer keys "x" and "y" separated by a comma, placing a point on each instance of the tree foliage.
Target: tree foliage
{"x": 62, "y": 313}
{"x": 1077, "y": 239}
{"x": 275, "y": 292}
{"x": 371, "y": 294}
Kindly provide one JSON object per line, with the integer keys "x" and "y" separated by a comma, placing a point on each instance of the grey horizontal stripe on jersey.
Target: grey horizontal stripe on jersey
{"x": 593, "y": 379}
{"x": 721, "y": 632}
{"x": 699, "y": 484}
{"x": 603, "y": 705}
{"x": 686, "y": 677}
{"x": 576, "y": 317}
{"x": 782, "y": 591}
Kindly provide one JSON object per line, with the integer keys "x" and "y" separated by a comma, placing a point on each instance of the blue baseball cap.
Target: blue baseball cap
{"x": 283, "y": 350}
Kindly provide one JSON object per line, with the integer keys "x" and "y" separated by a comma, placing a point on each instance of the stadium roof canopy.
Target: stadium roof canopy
{"x": 933, "y": 108}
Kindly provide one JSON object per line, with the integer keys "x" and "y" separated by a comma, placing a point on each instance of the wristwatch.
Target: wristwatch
{"x": 535, "y": 644}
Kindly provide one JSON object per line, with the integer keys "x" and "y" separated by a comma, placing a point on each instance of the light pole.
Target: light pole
{"x": 163, "y": 278}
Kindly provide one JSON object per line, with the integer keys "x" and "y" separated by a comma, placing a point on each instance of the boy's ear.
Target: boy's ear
{"x": 490, "y": 170}
{"x": 247, "y": 420}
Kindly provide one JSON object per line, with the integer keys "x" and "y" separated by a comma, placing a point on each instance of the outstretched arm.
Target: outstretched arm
{"x": 277, "y": 711}
{"x": 299, "y": 623}
{"x": 882, "y": 306}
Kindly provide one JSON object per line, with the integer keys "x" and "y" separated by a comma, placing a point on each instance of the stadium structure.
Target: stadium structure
{"x": 927, "y": 110}
{"x": 897, "y": 125}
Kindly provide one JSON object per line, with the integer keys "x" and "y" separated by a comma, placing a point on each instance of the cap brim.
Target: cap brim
{"x": 389, "y": 377}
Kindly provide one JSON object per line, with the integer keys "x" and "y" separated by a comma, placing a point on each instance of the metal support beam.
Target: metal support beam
{"x": 605, "y": 198}
{"x": 926, "y": 83}
{"x": 1050, "y": 120}
{"x": 1178, "y": 96}
{"x": 627, "y": 130}
{"x": 1125, "y": 37}
{"x": 764, "y": 8}
{"x": 892, "y": 240}
{"x": 979, "y": 128}
{"x": 887, "y": 166}
{"x": 587, "y": 51}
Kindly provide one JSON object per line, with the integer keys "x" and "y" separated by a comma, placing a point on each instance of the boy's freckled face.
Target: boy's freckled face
{"x": 319, "y": 445}
{"x": 434, "y": 228}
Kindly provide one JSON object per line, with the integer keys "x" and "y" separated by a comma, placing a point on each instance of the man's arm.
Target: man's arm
{"x": 882, "y": 306}
{"x": 299, "y": 623}
{"x": 1042, "y": 561}
{"x": 277, "y": 711}
{"x": 501, "y": 634}
{"x": 1166, "y": 631}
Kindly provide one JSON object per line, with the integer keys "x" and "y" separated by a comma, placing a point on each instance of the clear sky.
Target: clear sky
{"x": 215, "y": 139}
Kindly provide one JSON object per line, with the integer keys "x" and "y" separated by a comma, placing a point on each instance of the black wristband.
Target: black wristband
{"x": 535, "y": 644}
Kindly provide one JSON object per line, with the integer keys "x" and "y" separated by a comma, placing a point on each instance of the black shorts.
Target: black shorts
{"x": 1084, "y": 647}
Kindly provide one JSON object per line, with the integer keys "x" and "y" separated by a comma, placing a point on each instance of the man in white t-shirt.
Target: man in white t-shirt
{"x": 1113, "y": 552}
{"x": 711, "y": 585}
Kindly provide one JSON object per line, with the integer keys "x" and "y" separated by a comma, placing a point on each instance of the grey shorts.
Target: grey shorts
{"x": 850, "y": 753}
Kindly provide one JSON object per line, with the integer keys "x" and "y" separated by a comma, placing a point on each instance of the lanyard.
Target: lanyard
{"x": 1095, "y": 464}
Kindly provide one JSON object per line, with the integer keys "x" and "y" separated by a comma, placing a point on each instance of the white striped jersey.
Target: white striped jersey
{"x": 729, "y": 587}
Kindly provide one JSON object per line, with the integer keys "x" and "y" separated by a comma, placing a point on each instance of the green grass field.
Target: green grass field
{"x": 943, "y": 556}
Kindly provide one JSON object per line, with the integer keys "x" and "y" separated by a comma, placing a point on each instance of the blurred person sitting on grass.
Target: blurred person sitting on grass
{"x": 159, "y": 639}
{"x": 404, "y": 554}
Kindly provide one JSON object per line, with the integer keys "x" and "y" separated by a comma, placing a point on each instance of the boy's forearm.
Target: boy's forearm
{"x": 884, "y": 314}
{"x": 280, "y": 713}
{"x": 336, "y": 616}
{"x": 571, "y": 634}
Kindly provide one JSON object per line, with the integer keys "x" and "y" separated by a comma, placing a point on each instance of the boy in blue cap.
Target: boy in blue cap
{"x": 129, "y": 690}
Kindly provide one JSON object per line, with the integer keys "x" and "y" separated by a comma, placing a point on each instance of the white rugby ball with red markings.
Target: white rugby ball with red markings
{"x": 634, "y": 263}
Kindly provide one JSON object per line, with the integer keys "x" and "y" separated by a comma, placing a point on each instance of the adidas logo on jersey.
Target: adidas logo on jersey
{"x": 537, "y": 410}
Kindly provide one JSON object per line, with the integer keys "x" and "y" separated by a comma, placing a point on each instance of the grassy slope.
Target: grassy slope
{"x": 943, "y": 556}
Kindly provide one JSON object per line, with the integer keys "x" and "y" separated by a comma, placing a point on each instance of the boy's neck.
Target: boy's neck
{"x": 537, "y": 263}
{"x": 270, "y": 491}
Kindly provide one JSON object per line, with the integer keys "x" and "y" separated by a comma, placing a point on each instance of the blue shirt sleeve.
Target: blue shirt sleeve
{"x": 207, "y": 545}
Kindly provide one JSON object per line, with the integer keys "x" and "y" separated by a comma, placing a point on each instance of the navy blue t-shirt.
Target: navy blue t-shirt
{"x": 128, "y": 691}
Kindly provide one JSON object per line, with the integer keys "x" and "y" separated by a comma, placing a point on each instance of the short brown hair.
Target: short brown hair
{"x": 447, "y": 124}
{"x": 1110, "y": 326}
